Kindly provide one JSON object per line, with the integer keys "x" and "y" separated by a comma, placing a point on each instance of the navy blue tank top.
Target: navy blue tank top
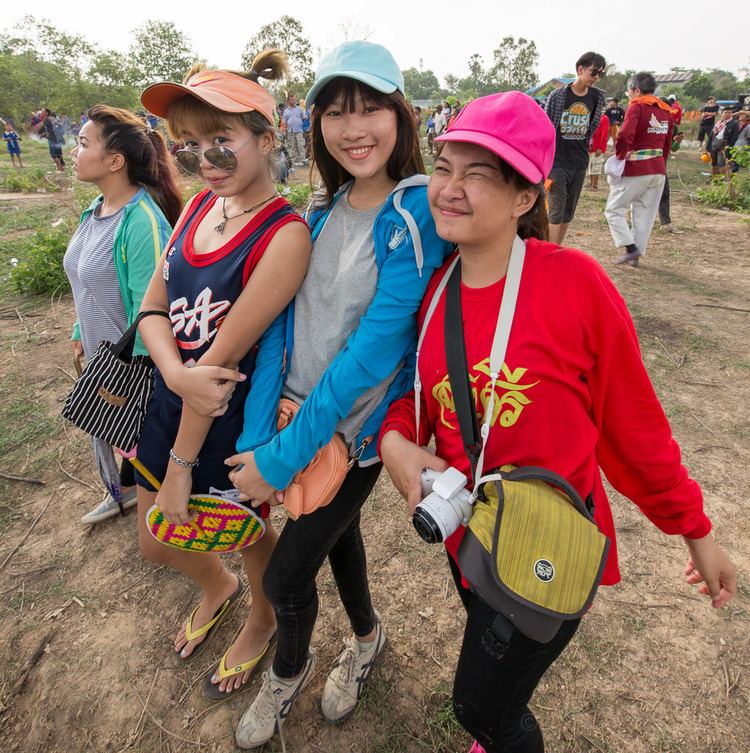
{"x": 201, "y": 290}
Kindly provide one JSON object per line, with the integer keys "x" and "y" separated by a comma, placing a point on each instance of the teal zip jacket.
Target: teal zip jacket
{"x": 407, "y": 252}
{"x": 141, "y": 237}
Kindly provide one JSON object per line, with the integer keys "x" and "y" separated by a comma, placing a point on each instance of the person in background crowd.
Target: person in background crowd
{"x": 596, "y": 152}
{"x": 430, "y": 126}
{"x": 723, "y": 136}
{"x": 11, "y": 139}
{"x": 743, "y": 134}
{"x": 644, "y": 142}
{"x": 575, "y": 110}
{"x": 708, "y": 120}
{"x": 295, "y": 138}
{"x": 615, "y": 115}
{"x": 305, "y": 127}
{"x": 665, "y": 217}
{"x": 455, "y": 111}
{"x": 441, "y": 122}
{"x": 52, "y": 130}
{"x": 675, "y": 108}
{"x": 418, "y": 117}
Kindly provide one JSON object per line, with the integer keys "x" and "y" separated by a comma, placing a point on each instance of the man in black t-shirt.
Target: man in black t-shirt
{"x": 575, "y": 111}
{"x": 708, "y": 120}
{"x": 615, "y": 114}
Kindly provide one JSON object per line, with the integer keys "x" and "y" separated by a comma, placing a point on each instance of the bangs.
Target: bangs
{"x": 351, "y": 91}
{"x": 190, "y": 115}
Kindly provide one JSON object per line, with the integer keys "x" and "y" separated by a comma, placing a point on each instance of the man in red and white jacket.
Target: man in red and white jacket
{"x": 643, "y": 142}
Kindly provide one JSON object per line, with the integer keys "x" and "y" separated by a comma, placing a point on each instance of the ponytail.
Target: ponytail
{"x": 146, "y": 158}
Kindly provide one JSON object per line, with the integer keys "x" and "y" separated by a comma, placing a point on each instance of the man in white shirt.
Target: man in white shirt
{"x": 440, "y": 121}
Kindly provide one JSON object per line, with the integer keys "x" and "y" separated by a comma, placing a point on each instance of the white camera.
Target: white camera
{"x": 446, "y": 504}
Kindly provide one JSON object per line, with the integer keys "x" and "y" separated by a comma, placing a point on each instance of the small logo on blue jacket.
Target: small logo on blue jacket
{"x": 398, "y": 236}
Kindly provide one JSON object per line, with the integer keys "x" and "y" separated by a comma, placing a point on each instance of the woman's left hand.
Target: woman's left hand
{"x": 710, "y": 566}
{"x": 247, "y": 478}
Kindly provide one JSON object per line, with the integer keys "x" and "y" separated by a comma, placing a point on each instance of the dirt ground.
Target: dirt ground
{"x": 86, "y": 662}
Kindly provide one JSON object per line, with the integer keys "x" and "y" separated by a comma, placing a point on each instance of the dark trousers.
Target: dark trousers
{"x": 289, "y": 581}
{"x": 706, "y": 130}
{"x": 127, "y": 473}
{"x": 664, "y": 216}
{"x": 495, "y": 679}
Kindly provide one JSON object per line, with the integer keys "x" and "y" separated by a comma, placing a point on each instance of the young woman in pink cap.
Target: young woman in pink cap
{"x": 235, "y": 260}
{"x": 573, "y": 395}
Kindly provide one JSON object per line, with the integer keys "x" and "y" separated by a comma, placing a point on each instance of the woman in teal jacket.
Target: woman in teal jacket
{"x": 354, "y": 333}
{"x": 112, "y": 254}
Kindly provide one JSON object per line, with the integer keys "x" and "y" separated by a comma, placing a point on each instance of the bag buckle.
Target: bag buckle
{"x": 357, "y": 454}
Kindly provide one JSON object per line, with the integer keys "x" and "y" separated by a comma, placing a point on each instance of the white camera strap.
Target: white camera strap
{"x": 499, "y": 341}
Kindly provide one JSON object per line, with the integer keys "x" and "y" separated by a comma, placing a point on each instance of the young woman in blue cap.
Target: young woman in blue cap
{"x": 374, "y": 250}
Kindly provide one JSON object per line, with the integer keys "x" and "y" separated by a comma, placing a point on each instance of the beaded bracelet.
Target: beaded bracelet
{"x": 177, "y": 460}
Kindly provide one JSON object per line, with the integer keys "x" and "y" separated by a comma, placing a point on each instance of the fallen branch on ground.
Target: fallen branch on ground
{"x": 22, "y": 479}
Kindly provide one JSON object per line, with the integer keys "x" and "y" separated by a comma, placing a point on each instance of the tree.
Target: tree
{"x": 514, "y": 65}
{"x": 421, "y": 84}
{"x": 452, "y": 84}
{"x": 286, "y": 34}
{"x": 160, "y": 52}
{"x": 614, "y": 82}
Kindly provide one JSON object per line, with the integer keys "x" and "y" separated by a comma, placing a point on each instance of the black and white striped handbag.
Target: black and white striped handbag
{"x": 110, "y": 398}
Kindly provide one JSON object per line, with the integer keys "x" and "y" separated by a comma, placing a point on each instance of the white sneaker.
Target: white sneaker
{"x": 271, "y": 706}
{"x": 108, "y": 508}
{"x": 345, "y": 683}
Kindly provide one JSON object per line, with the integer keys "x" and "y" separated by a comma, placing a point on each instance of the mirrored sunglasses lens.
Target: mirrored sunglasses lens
{"x": 221, "y": 157}
{"x": 188, "y": 160}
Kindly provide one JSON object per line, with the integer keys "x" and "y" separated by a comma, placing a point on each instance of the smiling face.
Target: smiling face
{"x": 361, "y": 140}
{"x": 251, "y": 151}
{"x": 471, "y": 201}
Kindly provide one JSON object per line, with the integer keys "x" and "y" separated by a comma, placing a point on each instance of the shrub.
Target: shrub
{"x": 733, "y": 195}
{"x": 297, "y": 194}
{"x": 33, "y": 180}
{"x": 40, "y": 271}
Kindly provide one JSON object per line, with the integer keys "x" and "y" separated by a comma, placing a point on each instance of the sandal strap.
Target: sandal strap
{"x": 238, "y": 669}
{"x": 191, "y": 634}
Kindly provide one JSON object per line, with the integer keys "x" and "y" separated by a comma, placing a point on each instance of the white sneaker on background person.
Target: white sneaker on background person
{"x": 108, "y": 508}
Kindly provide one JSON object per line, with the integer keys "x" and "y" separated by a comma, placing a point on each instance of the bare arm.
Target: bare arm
{"x": 269, "y": 290}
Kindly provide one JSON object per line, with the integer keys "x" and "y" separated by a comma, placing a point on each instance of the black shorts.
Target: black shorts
{"x": 160, "y": 431}
{"x": 564, "y": 193}
{"x": 55, "y": 150}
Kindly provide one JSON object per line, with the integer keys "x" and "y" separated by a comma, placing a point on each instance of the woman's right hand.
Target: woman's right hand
{"x": 405, "y": 462}
{"x": 206, "y": 389}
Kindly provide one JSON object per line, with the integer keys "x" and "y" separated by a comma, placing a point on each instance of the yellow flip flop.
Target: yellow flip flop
{"x": 211, "y": 690}
{"x": 209, "y": 628}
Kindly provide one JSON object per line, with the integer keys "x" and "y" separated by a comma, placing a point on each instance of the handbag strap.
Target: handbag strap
{"x": 124, "y": 346}
{"x": 475, "y": 439}
{"x": 428, "y": 315}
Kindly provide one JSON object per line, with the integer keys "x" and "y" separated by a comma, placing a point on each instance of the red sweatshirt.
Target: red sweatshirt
{"x": 600, "y": 137}
{"x": 644, "y": 127}
{"x": 574, "y": 395}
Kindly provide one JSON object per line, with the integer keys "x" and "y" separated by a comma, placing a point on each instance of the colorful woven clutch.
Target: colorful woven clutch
{"x": 218, "y": 525}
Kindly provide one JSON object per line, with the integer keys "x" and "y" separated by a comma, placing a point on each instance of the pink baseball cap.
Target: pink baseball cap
{"x": 511, "y": 125}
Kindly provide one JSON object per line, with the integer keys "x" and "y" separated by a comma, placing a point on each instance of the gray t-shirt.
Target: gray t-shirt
{"x": 338, "y": 289}
{"x": 90, "y": 266}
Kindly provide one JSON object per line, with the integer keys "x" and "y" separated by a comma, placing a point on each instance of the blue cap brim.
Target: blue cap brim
{"x": 377, "y": 83}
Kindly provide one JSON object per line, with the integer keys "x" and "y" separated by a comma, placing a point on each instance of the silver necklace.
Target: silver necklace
{"x": 220, "y": 227}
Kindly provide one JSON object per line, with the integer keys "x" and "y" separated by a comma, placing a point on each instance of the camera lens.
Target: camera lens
{"x": 426, "y": 526}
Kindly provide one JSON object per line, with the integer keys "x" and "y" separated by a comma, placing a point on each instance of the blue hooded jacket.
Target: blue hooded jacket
{"x": 407, "y": 252}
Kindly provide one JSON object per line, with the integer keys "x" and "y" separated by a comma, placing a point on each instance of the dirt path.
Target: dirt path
{"x": 86, "y": 663}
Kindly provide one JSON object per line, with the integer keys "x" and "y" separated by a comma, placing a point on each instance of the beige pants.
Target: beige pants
{"x": 641, "y": 194}
{"x": 295, "y": 144}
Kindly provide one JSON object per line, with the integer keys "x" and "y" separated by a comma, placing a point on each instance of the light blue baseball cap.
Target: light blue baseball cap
{"x": 369, "y": 63}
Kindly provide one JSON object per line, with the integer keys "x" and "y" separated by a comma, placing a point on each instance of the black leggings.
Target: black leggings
{"x": 304, "y": 544}
{"x": 495, "y": 680}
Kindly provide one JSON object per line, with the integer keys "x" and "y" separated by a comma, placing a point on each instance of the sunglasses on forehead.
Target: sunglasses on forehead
{"x": 221, "y": 157}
